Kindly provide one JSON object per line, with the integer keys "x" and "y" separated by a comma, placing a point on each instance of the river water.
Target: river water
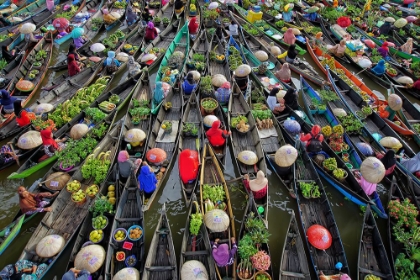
{"x": 348, "y": 216}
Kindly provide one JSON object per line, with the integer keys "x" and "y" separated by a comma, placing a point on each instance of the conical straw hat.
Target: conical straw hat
{"x": 372, "y": 170}
{"x": 90, "y": 258}
{"x": 29, "y": 140}
{"x": 216, "y": 220}
{"x": 128, "y": 273}
{"x": 286, "y": 155}
{"x": 395, "y": 102}
{"x": 50, "y": 246}
{"x": 193, "y": 270}
{"x": 248, "y": 157}
{"x": 134, "y": 135}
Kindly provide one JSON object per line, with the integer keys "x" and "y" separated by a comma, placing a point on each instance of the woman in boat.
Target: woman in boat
{"x": 291, "y": 99}
{"x": 384, "y": 50}
{"x": 412, "y": 164}
{"x": 189, "y": 84}
{"x": 416, "y": 85}
{"x": 146, "y": 16}
{"x": 258, "y": 186}
{"x": 339, "y": 50}
{"x": 31, "y": 40}
{"x": 221, "y": 253}
{"x": 284, "y": 74}
{"x": 233, "y": 29}
{"x": 50, "y": 5}
{"x": 7, "y": 102}
{"x": 126, "y": 166}
{"x": 313, "y": 139}
{"x": 290, "y": 55}
{"x": 159, "y": 93}
{"x": 151, "y": 32}
{"x": 389, "y": 161}
{"x": 223, "y": 93}
{"x": 219, "y": 32}
{"x": 288, "y": 37}
{"x": 134, "y": 67}
{"x": 242, "y": 82}
{"x": 74, "y": 274}
{"x": 408, "y": 46}
{"x": 275, "y": 104}
{"x": 385, "y": 28}
{"x": 193, "y": 26}
{"x": 72, "y": 50}
{"x": 30, "y": 203}
{"x": 131, "y": 16}
{"x": 7, "y": 155}
{"x": 23, "y": 118}
{"x": 379, "y": 69}
{"x": 23, "y": 269}
{"x": 72, "y": 65}
{"x": 318, "y": 40}
{"x": 79, "y": 42}
{"x": 179, "y": 6}
{"x": 288, "y": 12}
{"x": 147, "y": 180}
{"x": 51, "y": 145}
{"x": 216, "y": 135}
{"x": 111, "y": 64}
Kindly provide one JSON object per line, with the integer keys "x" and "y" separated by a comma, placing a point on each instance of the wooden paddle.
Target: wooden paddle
{"x": 15, "y": 156}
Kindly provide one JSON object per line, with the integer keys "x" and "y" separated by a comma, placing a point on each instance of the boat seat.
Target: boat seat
{"x": 294, "y": 274}
{"x": 376, "y": 273}
{"x": 344, "y": 91}
{"x": 194, "y": 253}
{"x": 180, "y": 44}
{"x": 122, "y": 220}
{"x": 159, "y": 268}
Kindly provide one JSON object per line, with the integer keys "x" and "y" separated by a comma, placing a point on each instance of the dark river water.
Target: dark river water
{"x": 348, "y": 216}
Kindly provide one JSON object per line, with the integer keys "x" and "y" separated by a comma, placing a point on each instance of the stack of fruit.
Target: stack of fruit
{"x": 120, "y": 234}
{"x": 135, "y": 233}
{"x": 92, "y": 191}
{"x": 99, "y": 222}
{"x": 78, "y": 197}
{"x": 73, "y": 186}
{"x": 111, "y": 194}
{"x": 96, "y": 236}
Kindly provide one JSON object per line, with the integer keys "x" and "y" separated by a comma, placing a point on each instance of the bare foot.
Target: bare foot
{"x": 216, "y": 240}
{"x": 233, "y": 239}
{"x": 48, "y": 209}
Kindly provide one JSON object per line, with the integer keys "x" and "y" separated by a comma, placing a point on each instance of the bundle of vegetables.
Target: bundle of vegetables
{"x": 310, "y": 28}
{"x": 416, "y": 127}
{"x": 39, "y": 124}
{"x": 76, "y": 151}
{"x": 330, "y": 62}
{"x": 95, "y": 114}
{"x": 214, "y": 193}
{"x": 209, "y": 205}
{"x": 68, "y": 14}
{"x": 263, "y": 118}
{"x": 120, "y": 5}
{"x": 80, "y": 101}
{"x": 99, "y": 131}
{"x": 96, "y": 168}
{"x": 245, "y": 270}
{"x": 261, "y": 261}
{"x": 107, "y": 106}
{"x": 246, "y": 247}
{"x": 235, "y": 59}
{"x": 328, "y": 95}
{"x": 330, "y": 164}
{"x": 205, "y": 84}
{"x": 195, "y": 223}
{"x": 236, "y": 120}
{"x": 251, "y": 30}
{"x": 351, "y": 124}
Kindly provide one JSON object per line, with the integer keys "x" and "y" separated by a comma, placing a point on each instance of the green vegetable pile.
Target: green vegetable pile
{"x": 328, "y": 95}
{"x": 96, "y": 168}
{"x": 330, "y": 164}
{"x": 99, "y": 131}
{"x": 95, "y": 114}
{"x": 309, "y": 189}
{"x": 261, "y": 114}
{"x": 68, "y": 14}
{"x": 416, "y": 127}
{"x": 195, "y": 223}
{"x": 120, "y": 5}
{"x": 339, "y": 173}
{"x": 234, "y": 58}
{"x": 251, "y": 29}
{"x": 214, "y": 193}
{"x": 76, "y": 151}
{"x": 309, "y": 28}
{"x": 351, "y": 124}
{"x": 205, "y": 85}
{"x": 236, "y": 120}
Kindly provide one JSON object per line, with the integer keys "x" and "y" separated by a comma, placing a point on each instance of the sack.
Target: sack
{"x": 112, "y": 68}
{"x": 314, "y": 146}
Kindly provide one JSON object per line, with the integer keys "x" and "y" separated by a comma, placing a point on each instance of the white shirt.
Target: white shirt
{"x": 233, "y": 29}
{"x": 272, "y": 102}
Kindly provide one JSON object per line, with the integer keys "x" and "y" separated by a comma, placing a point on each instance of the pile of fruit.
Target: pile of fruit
{"x": 326, "y": 130}
{"x": 107, "y": 106}
{"x": 120, "y": 235}
{"x": 73, "y": 186}
{"x": 111, "y": 194}
{"x": 96, "y": 235}
{"x": 135, "y": 233}
{"x": 92, "y": 190}
{"x": 99, "y": 222}
{"x": 330, "y": 62}
{"x": 78, "y": 196}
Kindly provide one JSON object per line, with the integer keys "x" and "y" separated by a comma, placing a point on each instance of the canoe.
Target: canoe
{"x": 212, "y": 175}
{"x": 373, "y": 258}
{"x": 66, "y": 216}
{"x": 23, "y": 73}
{"x": 21, "y": 155}
{"x": 161, "y": 259}
{"x": 168, "y": 11}
{"x": 215, "y": 67}
{"x": 112, "y": 9}
{"x": 29, "y": 13}
{"x": 300, "y": 40}
{"x": 180, "y": 43}
{"x": 11, "y": 233}
{"x": 409, "y": 113}
{"x": 232, "y": 44}
{"x": 294, "y": 262}
{"x": 128, "y": 214}
{"x": 168, "y": 143}
{"x": 251, "y": 214}
{"x": 322, "y": 260}
{"x": 193, "y": 247}
{"x": 197, "y": 15}
{"x": 249, "y": 141}
{"x": 191, "y": 117}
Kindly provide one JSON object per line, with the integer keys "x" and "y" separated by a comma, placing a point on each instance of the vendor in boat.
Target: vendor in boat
{"x": 179, "y": 6}
{"x": 31, "y": 40}
{"x": 288, "y": 37}
{"x": 151, "y": 32}
{"x": 216, "y": 135}
{"x": 223, "y": 93}
{"x": 290, "y": 55}
{"x": 318, "y": 40}
{"x": 384, "y": 50}
{"x": 51, "y": 145}
{"x": 134, "y": 67}
{"x": 72, "y": 65}
{"x": 233, "y": 29}
{"x": 23, "y": 269}
{"x": 288, "y": 12}
{"x": 275, "y": 103}
{"x": 221, "y": 253}
{"x": 242, "y": 82}
{"x": 131, "y": 16}
{"x": 159, "y": 93}
{"x": 389, "y": 161}
{"x": 291, "y": 99}
{"x": 412, "y": 164}
{"x": 126, "y": 167}
{"x": 339, "y": 50}
{"x": 79, "y": 42}
{"x": 72, "y": 50}
{"x": 385, "y": 28}
{"x": 30, "y": 203}
{"x": 7, "y": 155}
{"x": 416, "y": 85}
{"x": 193, "y": 26}
{"x": 23, "y": 118}
{"x": 7, "y": 102}
{"x": 258, "y": 186}
{"x": 313, "y": 139}
{"x": 219, "y": 32}
{"x": 189, "y": 84}
{"x": 50, "y": 5}
{"x": 408, "y": 46}
{"x": 74, "y": 274}
{"x": 147, "y": 180}
{"x": 111, "y": 64}
{"x": 146, "y": 16}
{"x": 284, "y": 74}
{"x": 379, "y": 69}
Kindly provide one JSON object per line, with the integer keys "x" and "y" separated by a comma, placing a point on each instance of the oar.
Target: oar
{"x": 15, "y": 156}
{"x": 197, "y": 146}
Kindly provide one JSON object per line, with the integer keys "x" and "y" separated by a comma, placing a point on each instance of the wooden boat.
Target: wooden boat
{"x": 180, "y": 43}
{"x": 8, "y": 235}
{"x": 22, "y": 155}
{"x": 34, "y": 12}
{"x": 113, "y": 9}
{"x": 249, "y": 141}
{"x": 161, "y": 259}
{"x": 157, "y": 140}
{"x": 23, "y": 73}
{"x": 211, "y": 174}
{"x": 128, "y": 214}
{"x": 322, "y": 260}
{"x": 294, "y": 262}
{"x": 200, "y": 46}
{"x": 232, "y": 44}
{"x": 197, "y": 15}
{"x": 191, "y": 117}
{"x": 409, "y": 114}
{"x": 373, "y": 258}
{"x": 7, "y": 8}
{"x": 196, "y": 247}
{"x": 168, "y": 11}
{"x": 349, "y": 187}
{"x": 65, "y": 213}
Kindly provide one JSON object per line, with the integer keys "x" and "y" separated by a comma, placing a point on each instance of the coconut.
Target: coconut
{"x": 296, "y": 31}
{"x": 276, "y": 51}
{"x": 405, "y": 80}
{"x": 218, "y": 80}
{"x": 395, "y": 102}
{"x": 243, "y": 70}
{"x": 339, "y": 112}
{"x": 122, "y": 56}
{"x": 390, "y": 142}
{"x": 57, "y": 180}
{"x": 43, "y": 108}
{"x": 209, "y": 120}
{"x": 196, "y": 75}
{"x": 78, "y": 131}
{"x": 261, "y": 55}
{"x": 148, "y": 57}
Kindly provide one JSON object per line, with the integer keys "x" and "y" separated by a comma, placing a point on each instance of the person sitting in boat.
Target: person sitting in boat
{"x": 7, "y": 155}
{"x": 23, "y": 269}
{"x": 111, "y": 64}
{"x": 131, "y": 16}
{"x": 313, "y": 139}
{"x": 79, "y": 42}
{"x": 216, "y": 135}
{"x": 223, "y": 93}
{"x": 146, "y": 16}
{"x": 258, "y": 186}
{"x": 288, "y": 37}
{"x": 379, "y": 69}
{"x": 23, "y": 118}
{"x": 193, "y": 26}
{"x": 408, "y": 46}
{"x": 50, "y": 5}
{"x": 179, "y": 6}
{"x": 126, "y": 166}
{"x": 147, "y": 180}
{"x": 134, "y": 67}
{"x": 72, "y": 65}
{"x": 72, "y": 50}
{"x": 30, "y": 203}
{"x": 412, "y": 164}
{"x": 7, "y": 102}
{"x": 51, "y": 145}
{"x": 384, "y": 50}
{"x": 233, "y": 29}
{"x": 318, "y": 40}
{"x": 290, "y": 54}
{"x": 31, "y": 39}
{"x": 288, "y": 12}
{"x": 242, "y": 82}
{"x": 275, "y": 104}
{"x": 219, "y": 33}
{"x": 151, "y": 32}
{"x": 339, "y": 50}
{"x": 189, "y": 84}
{"x": 74, "y": 274}
{"x": 291, "y": 99}
{"x": 389, "y": 161}
{"x": 385, "y": 28}
{"x": 221, "y": 253}
{"x": 416, "y": 85}
{"x": 284, "y": 74}
{"x": 159, "y": 93}
{"x": 311, "y": 16}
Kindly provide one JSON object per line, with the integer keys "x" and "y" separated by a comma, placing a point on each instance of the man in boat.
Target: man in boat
{"x": 22, "y": 269}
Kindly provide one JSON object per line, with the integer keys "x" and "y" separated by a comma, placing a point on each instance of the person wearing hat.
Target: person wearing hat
{"x": 339, "y": 50}
{"x": 74, "y": 274}
{"x": 258, "y": 186}
{"x": 275, "y": 101}
{"x": 408, "y": 46}
{"x": 216, "y": 135}
{"x": 221, "y": 253}
{"x": 288, "y": 12}
{"x": 223, "y": 93}
{"x": 31, "y": 203}
{"x": 131, "y": 16}
{"x": 72, "y": 65}
{"x": 193, "y": 26}
{"x": 22, "y": 269}
{"x": 134, "y": 67}
{"x": 189, "y": 84}
{"x": 312, "y": 14}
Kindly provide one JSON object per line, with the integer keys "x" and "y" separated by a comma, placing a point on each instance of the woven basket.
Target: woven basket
{"x": 262, "y": 272}
{"x": 209, "y": 111}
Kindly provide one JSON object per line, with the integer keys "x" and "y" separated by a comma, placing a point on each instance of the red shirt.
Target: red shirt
{"x": 24, "y": 119}
{"x": 416, "y": 85}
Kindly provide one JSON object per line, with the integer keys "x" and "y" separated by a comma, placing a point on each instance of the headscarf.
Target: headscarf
{"x": 291, "y": 52}
{"x": 318, "y": 35}
{"x": 131, "y": 16}
{"x": 193, "y": 25}
{"x": 379, "y": 69}
{"x": 259, "y": 183}
{"x": 412, "y": 164}
{"x": 158, "y": 94}
{"x": 284, "y": 73}
{"x": 408, "y": 46}
{"x": 274, "y": 91}
{"x": 147, "y": 179}
{"x": 389, "y": 159}
{"x": 215, "y": 134}
{"x": 290, "y": 99}
{"x": 73, "y": 67}
{"x": 385, "y": 28}
{"x": 226, "y": 85}
{"x": 47, "y": 138}
{"x": 288, "y": 37}
{"x": 133, "y": 66}
{"x": 28, "y": 203}
{"x": 221, "y": 254}
{"x": 150, "y": 25}
{"x": 316, "y": 129}
{"x": 178, "y": 4}
{"x": 6, "y": 99}
{"x": 123, "y": 156}
{"x": 111, "y": 55}
{"x": 17, "y": 106}
{"x": 385, "y": 45}
{"x": 190, "y": 78}
{"x": 72, "y": 50}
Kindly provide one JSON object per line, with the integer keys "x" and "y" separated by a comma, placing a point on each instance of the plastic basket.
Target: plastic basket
{"x": 99, "y": 241}
{"x": 134, "y": 227}
{"x": 107, "y": 221}
{"x": 115, "y": 231}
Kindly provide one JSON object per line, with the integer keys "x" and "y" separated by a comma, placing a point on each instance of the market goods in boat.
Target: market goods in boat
{"x": 78, "y": 196}
{"x": 73, "y": 186}
{"x": 96, "y": 235}
{"x": 99, "y": 222}
{"x": 371, "y": 277}
{"x": 120, "y": 256}
{"x": 120, "y": 235}
{"x": 135, "y": 233}
{"x": 92, "y": 190}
